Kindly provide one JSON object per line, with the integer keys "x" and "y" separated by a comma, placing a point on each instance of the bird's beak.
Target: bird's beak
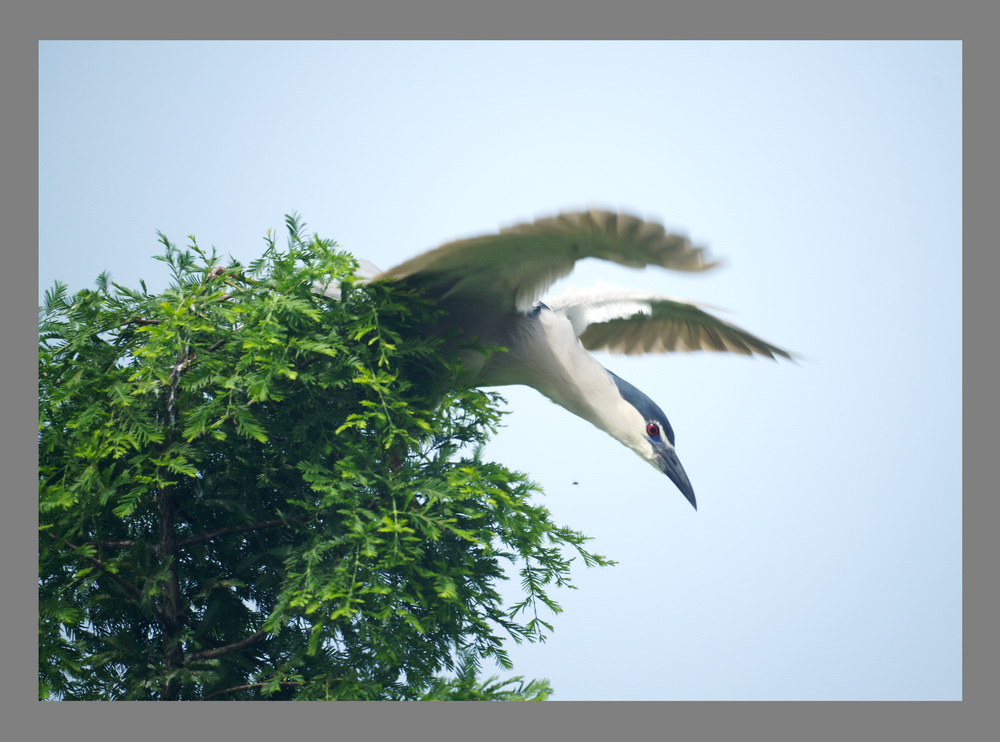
{"x": 671, "y": 466}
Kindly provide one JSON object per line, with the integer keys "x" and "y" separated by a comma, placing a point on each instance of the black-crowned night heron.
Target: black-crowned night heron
{"x": 489, "y": 288}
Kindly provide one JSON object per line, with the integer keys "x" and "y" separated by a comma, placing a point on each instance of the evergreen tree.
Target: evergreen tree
{"x": 251, "y": 491}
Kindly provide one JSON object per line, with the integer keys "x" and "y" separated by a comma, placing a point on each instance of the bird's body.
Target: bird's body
{"x": 489, "y": 290}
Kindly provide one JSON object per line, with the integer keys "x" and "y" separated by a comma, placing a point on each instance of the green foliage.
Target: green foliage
{"x": 251, "y": 491}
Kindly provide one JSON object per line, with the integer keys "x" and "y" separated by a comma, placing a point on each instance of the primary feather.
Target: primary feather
{"x": 629, "y": 321}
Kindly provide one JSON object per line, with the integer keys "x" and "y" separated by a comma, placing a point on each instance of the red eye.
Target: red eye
{"x": 653, "y": 430}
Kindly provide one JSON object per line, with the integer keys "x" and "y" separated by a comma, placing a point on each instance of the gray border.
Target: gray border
{"x": 21, "y": 30}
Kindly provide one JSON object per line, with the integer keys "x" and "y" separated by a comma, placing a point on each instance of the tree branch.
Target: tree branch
{"x": 142, "y": 321}
{"x": 200, "y": 538}
{"x": 124, "y": 544}
{"x": 245, "y": 687}
{"x": 227, "y": 649}
{"x": 203, "y": 537}
{"x": 166, "y": 505}
{"x": 132, "y": 589}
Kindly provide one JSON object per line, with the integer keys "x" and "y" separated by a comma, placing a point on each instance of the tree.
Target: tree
{"x": 251, "y": 491}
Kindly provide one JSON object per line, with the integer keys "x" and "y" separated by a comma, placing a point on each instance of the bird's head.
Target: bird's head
{"x": 645, "y": 429}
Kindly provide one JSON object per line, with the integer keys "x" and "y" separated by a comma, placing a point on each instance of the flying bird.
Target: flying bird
{"x": 490, "y": 289}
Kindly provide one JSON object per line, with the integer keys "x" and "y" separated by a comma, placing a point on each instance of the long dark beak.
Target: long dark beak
{"x": 671, "y": 466}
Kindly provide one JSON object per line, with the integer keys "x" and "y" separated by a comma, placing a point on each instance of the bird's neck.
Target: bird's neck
{"x": 547, "y": 356}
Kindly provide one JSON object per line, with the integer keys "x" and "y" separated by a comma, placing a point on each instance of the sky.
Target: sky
{"x": 824, "y": 560}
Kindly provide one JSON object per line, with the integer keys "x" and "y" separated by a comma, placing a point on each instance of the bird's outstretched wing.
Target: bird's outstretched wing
{"x": 513, "y": 268}
{"x": 632, "y": 322}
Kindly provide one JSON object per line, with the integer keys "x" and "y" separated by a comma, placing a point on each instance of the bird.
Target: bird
{"x": 490, "y": 290}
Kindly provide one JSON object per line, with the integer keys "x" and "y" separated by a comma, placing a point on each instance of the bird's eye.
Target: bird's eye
{"x": 653, "y": 430}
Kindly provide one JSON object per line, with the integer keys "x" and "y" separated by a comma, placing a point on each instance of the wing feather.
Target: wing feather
{"x": 513, "y": 268}
{"x": 633, "y": 322}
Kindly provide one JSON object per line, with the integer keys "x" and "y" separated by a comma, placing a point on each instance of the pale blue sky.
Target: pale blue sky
{"x": 824, "y": 561}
